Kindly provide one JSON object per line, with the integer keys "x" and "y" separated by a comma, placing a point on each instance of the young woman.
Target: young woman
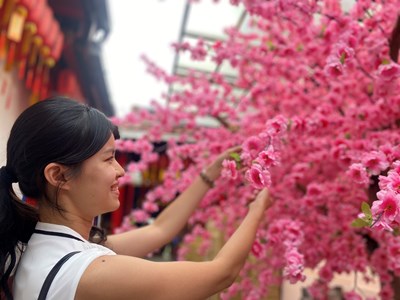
{"x": 62, "y": 153}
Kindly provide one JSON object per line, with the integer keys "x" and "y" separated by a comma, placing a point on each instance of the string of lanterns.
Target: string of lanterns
{"x": 31, "y": 41}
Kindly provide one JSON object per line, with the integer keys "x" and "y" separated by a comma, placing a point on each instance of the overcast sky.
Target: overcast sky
{"x": 139, "y": 27}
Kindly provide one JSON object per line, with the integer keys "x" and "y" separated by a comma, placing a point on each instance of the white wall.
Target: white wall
{"x": 14, "y": 98}
{"x": 345, "y": 281}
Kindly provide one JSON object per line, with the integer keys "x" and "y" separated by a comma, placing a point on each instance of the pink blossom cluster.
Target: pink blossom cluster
{"x": 142, "y": 147}
{"x": 386, "y": 210}
{"x": 197, "y": 52}
{"x": 318, "y": 120}
{"x": 285, "y": 236}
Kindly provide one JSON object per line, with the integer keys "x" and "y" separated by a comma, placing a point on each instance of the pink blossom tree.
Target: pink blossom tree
{"x": 318, "y": 124}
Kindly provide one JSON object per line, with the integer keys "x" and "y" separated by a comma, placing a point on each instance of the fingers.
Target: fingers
{"x": 227, "y": 153}
{"x": 235, "y": 149}
{"x": 264, "y": 193}
{"x": 263, "y": 199}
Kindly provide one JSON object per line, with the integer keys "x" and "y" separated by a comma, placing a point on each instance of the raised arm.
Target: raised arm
{"x": 124, "y": 277}
{"x": 140, "y": 242}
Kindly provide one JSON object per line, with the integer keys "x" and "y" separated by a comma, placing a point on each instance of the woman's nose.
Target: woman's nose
{"x": 120, "y": 170}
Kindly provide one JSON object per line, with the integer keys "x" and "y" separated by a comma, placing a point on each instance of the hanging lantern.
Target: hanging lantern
{"x": 42, "y": 41}
{"x": 17, "y": 22}
{"x": 34, "y": 59}
{"x": 51, "y": 60}
{"x": 16, "y": 29}
{"x": 30, "y": 30}
{"x": 6, "y": 11}
{"x": 45, "y": 60}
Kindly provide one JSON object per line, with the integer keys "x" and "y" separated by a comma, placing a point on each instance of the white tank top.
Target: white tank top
{"x": 45, "y": 248}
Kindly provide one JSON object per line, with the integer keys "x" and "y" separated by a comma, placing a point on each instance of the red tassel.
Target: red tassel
{"x": 4, "y": 87}
{"x": 8, "y": 100}
{"x": 3, "y": 39}
{"x": 22, "y": 69}
{"x": 10, "y": 56}
{"x": 29, "y": 78}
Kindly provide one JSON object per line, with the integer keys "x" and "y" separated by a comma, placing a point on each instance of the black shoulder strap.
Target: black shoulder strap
{"x": 52, "y": 274}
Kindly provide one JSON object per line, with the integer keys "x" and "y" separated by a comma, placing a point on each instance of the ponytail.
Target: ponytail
{"x": 17, "y": 222}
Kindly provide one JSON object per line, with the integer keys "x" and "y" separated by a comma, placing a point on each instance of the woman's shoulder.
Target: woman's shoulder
{"x": 48, "y": 245}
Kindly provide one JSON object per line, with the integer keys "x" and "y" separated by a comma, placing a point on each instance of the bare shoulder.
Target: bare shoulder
{"x": 125, "y": 277}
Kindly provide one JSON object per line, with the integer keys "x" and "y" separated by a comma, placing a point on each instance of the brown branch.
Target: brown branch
{"x": 225, "y": 124}
{"x": 394, "y": 41}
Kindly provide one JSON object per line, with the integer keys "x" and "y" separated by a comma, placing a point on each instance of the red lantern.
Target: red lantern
{"x": 35, "y": 61}
{"x": 6, "y": 11}
{"x": 45, "y": 61}
{"x": 50, "y": 61}
{"x": 30, "y": 29}
{"x": 15, "y": 30}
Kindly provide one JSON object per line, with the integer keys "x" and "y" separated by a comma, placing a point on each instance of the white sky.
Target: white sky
{"x": 139, "y": 27}
{"x": 150, "y": 27}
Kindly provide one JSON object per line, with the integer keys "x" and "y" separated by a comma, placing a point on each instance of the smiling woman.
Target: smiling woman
{"x": 63, "y": 154}
{"x": 51, "y": 147}
{"x": 94, "y": 190}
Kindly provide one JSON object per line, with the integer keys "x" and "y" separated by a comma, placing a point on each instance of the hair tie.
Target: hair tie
{"x": 7, "y": 176}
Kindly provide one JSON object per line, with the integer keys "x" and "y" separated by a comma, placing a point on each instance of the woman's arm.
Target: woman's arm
{"x": 124, "y": 277}
{"x": 140, "y": 242}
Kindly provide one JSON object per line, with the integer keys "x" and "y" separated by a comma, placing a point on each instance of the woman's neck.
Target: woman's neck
{"x": 76, "y": 223}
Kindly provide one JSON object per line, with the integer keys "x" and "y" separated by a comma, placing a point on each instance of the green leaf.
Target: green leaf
{"x": 342, "y": 58}
{"x": 396, "y": 231}
{"x": 235, "y": 156}
{"x": 358, "y": 223}
{"x": 270, "y": 45}
{"x": 300, "y": 47}
{"x": 366, "y": 210}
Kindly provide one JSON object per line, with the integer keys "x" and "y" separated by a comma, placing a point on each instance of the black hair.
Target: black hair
{"x": 57, "y": 130}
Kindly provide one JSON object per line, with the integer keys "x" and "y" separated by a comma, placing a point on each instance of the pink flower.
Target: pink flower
{"x": 126, "y": 179}
{"x": 139, "y": 216}
{"x": 388, "y": 206}
{"x": 199, "y": 52}
{"x": 376, "y": 162}
{"x": 344, "y": 53}
{"x": 326, "y": 273}
{"x": 256, "y": 249}
{"x": 277, "y": 125}
{"x": 334, "y": 69}
{"x": 295, "y": 266}
{"x": 396, "y": 166}
{"x": 382, "y": 225}
{"x": 393, "y": 181}
{"x": 352, "y": 296}
{"x": 314, "y": 189}
{"x": 181, "y": 46}
{"x": 150, "y": 207}
{"x": 253, "y": 145}
{"x": 258, "y": 177}
{"x": 267, "y": 158}
{"x": 358, "y": 173}
{"x": 229, "y": 169}
{"x": 389, "y": 72}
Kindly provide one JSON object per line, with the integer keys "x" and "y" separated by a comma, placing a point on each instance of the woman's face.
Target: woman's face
{"x": 95, "y": 190}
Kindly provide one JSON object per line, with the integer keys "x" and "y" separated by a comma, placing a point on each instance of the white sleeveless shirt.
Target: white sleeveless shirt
{"x": 43, "y": 251}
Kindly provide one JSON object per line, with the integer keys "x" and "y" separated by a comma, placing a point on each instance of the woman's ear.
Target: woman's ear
{"x": 55, "y": 174}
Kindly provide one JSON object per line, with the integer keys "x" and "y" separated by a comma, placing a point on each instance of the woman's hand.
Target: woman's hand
{"x": 214, "y": 169}
{"x": 261, "y": 202}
